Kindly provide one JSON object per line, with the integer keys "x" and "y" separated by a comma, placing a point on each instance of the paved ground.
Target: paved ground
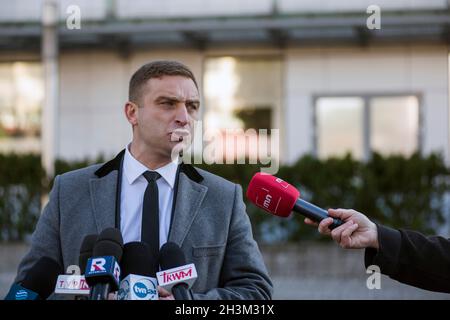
{"x": 302, "y": 271}
{"x": 348, "y": 289}
{"x": 325, "y": 271}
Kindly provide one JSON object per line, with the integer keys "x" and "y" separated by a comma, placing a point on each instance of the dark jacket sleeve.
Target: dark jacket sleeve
{"x": 412, "y": 258}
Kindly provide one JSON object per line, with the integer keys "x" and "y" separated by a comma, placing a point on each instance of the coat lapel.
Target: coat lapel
{"x": 103, "y": 198}
{"x": 190, "y": 195}
{"x": 104, "y": 193}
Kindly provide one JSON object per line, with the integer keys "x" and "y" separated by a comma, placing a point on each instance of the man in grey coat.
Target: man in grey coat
{"x": 203, "y": 213}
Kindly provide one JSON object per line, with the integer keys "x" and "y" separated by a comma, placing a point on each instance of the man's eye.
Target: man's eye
{"x": 168, "y": 103}
{"x": 192, "y": 106}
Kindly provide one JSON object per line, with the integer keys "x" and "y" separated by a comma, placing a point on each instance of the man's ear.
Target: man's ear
{"x": 131, "y": 110}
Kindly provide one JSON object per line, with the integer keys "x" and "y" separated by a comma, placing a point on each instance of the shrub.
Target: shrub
{"x": 396, "y": 191}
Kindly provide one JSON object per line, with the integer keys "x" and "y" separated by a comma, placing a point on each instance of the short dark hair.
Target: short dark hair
{"x": 156, "y": 69}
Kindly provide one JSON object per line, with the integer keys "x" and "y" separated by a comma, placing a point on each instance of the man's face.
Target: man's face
{"x": 169, "y": 107}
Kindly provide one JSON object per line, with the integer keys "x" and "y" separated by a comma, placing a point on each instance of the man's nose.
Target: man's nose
{"x": 182, "y": 115}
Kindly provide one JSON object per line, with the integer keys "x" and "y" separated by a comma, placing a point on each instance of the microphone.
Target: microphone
{"x": 74, "y": 285}
{"x": 38, "y": 283}
{"x": 278, "y": 197}
{"x": 138, "y": 273}
{"x": 177, "y": 276}
{"x": 87, "y": 246}
{"x": 102, "y": 270}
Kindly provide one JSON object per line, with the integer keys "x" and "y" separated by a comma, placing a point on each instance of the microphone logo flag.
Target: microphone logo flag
{"x": 168, "y": 278}
{"x": 177, "y": 275}
{"x": 136, "y": 287}
{"x": 267, "y": 200}
{"x": 117, "y": 272}
{"x": 272, "y": 194}
{"x": 98, "y": 264}
{"x": 17, "y": 292}
{"x": 72, "y": 284}
{"x": 283, "y": 183}
{"x": 105, "y": 266}
{"x": 21, "y": 295}
{"x": 145, "y": 289}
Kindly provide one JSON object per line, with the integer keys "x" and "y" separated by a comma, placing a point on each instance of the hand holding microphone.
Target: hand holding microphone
{"x": 280, "y": 198}
{"x": 357, "y": 232}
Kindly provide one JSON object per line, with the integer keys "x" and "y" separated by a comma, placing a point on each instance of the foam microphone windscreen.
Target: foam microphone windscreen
{"x": 41, "y": 278}
{"x": 171, "y": 256}
{"x": 86, "y": 250}
{"x": 137, "y": 259}
{"x": 272, "y": 194}
{"x": 109, "y": 243}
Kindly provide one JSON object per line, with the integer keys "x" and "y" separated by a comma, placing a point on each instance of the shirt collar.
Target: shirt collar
{"x": 133, "y": 169}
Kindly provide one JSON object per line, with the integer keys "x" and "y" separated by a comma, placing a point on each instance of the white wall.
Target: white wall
{"x": 93, "y": 91}
{"x": 94, "y": 87}
{"x": 192, "y": 8}
{"x": 402, "y": 69}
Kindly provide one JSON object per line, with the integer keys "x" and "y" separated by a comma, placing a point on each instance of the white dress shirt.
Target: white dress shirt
{"x": 132, "y": 197}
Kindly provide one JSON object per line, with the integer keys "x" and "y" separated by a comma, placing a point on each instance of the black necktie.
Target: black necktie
{"x": 150, "y": 214}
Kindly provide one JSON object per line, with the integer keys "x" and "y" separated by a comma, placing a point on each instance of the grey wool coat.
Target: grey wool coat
{"x": 209, "y": 223}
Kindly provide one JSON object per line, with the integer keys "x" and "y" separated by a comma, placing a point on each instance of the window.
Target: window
{"x": 394, "y": 126}
{"x": 339, "y": 126}
{"x": 359, "y": 125}
{"x": 241, "y": 94}
{"x": 21, "y": 98}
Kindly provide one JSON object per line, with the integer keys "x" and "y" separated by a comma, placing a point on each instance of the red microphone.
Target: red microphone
{"x": 278, "y": 197}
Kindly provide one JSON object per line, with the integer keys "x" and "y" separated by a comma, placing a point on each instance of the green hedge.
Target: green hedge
{"x": 21, "y": 188}
{"x": 396, "y": 191}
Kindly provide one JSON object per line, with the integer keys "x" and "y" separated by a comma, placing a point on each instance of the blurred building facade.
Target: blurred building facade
{"x": 312, "y": 69}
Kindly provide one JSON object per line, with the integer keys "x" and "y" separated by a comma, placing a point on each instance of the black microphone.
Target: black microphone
{"x": 176, "y": 276}
{"x": 102, "y": 270}
{"x": 74, "y": 286}
{"x": 38, "y": 283}
{"x": 86, "y": 249}
{"x": 138, "y": 273}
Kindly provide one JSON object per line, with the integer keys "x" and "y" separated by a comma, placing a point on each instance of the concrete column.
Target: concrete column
{"x": 49, "y": 47}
